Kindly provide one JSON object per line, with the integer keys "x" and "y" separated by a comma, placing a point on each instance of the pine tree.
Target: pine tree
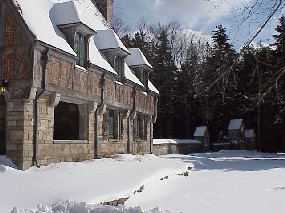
{"x": 163, "y": 76}
{"x": 280, "y": 41}
{"x": 220, "y": 83}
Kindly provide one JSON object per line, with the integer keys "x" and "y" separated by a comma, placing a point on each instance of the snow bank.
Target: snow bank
{"x": 5, "y": 163}
{"x": 82, "y": 207}
{"x": 225, "y": 181}
{"x": 95, "y": 181}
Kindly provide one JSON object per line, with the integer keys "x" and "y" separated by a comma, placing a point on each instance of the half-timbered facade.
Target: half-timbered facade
{"x": 70, "y": 90}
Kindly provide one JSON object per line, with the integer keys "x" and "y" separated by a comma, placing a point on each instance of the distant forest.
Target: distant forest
{"x": 206, "y": 81}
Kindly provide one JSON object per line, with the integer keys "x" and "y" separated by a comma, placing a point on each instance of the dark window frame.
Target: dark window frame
{"x": 140, "y": 127}
{"x": 80, "y": 49}
{"x": 111, "y": 123}
{"x": 119, "y": 68}
{"x": 64, "y": 128}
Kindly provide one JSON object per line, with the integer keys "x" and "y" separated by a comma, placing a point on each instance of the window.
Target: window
{"x": 80, "y": 49}
{"x": 140, "y": 127}
{"x": 145, "y": 79}
{"x": 70, "y": 121}
{"x": 111, "y": 123}
{"x": 66, "y": 122}
{"x": 121, "y": 120}
{"x": 119, "y": 67}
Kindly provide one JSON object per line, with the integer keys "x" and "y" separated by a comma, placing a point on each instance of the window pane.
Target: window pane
{"x": 80, "y": 49}
{"x": 111, "y": 123}
{"x": 66, "y": 122}
{"x": 139, "y": 126}
{"x": 119, "y": 67}
{"x": 77, "y": 41}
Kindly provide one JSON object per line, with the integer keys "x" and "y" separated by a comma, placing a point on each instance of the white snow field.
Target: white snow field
{"x": 226, "y": 181}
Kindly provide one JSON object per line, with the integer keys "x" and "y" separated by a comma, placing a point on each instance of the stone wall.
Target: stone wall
{"x": 19, "y": 133}
{"x": 52, "y": 151}
{"x": 168, "y": 148}
{"x": 2, "y": 126}
{"x": 126, "y": 143}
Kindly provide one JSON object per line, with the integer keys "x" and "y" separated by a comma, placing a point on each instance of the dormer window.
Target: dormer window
{"x": 78, "y": 35}
{"x": 119, "y": 68}
{"x": 80, "y": 49}
{"x": 145, "y": 78}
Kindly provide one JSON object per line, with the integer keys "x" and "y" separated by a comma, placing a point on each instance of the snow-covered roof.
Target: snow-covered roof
{"x": 200, "y": 131}
{"x": 235, "y": 124}
{"x": 137, "y": 58}
{"x": 97, "y": 58}
{"x": 249, "y": 133}
{"x": 36, "y": 14}
{"x": 46, "y": 15}
{"x": 42, "y": 16}
{"x": 152, "y": 87}
{"x": 131, "y": 76}
{"x": 108, "y": 39}
{"x": 83, "y": 11}
{"x": 175, "y": 141}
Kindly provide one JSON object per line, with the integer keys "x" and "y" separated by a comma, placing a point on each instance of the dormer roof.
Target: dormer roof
{"x": 84, "y": 11}
{"x": 108, "y": 40}
{"x": 137, "y": 58}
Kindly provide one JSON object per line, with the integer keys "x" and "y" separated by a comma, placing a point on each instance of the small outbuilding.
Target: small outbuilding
{"x": 236, "y": 132}
{"x": 202, "y": 134}
{"x": 249, "y": 135}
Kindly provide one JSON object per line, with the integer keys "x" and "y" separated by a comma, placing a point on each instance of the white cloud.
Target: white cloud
{"x": 197, "y": 14}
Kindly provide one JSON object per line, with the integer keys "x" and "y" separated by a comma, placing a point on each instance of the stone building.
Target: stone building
{"x": 202, "y": 134}
{"x": 74, "y": 91}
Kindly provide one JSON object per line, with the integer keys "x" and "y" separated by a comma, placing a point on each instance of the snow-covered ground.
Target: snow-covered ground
{"x": 234, "y": 181}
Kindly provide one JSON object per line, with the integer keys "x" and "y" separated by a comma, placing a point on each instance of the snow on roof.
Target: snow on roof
{"x": 131, "y": 76}
{"x": 97, "y": 58}
{"x": 200, "y": 131}
{"x": 175, "y": 141}
{"x": 152, "y": 87}
{"x": 235, "y": 124}
{"x": 249, "y": 133}
{"x": 137, "y": 58}
{"x": 36, "y": 14}
{"x": 83, "y": 11}
{"x": 47, "y": 14}
{"x": 108, "y": 39}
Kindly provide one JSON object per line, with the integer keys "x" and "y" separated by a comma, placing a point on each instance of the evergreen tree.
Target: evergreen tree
{"x": 163, "y": 76}
{"x": 220, "y": 84}
{"x": 280, "y": 41}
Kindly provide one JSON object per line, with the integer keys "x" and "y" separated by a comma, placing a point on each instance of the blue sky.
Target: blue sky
{"x": 199, "y": 15}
